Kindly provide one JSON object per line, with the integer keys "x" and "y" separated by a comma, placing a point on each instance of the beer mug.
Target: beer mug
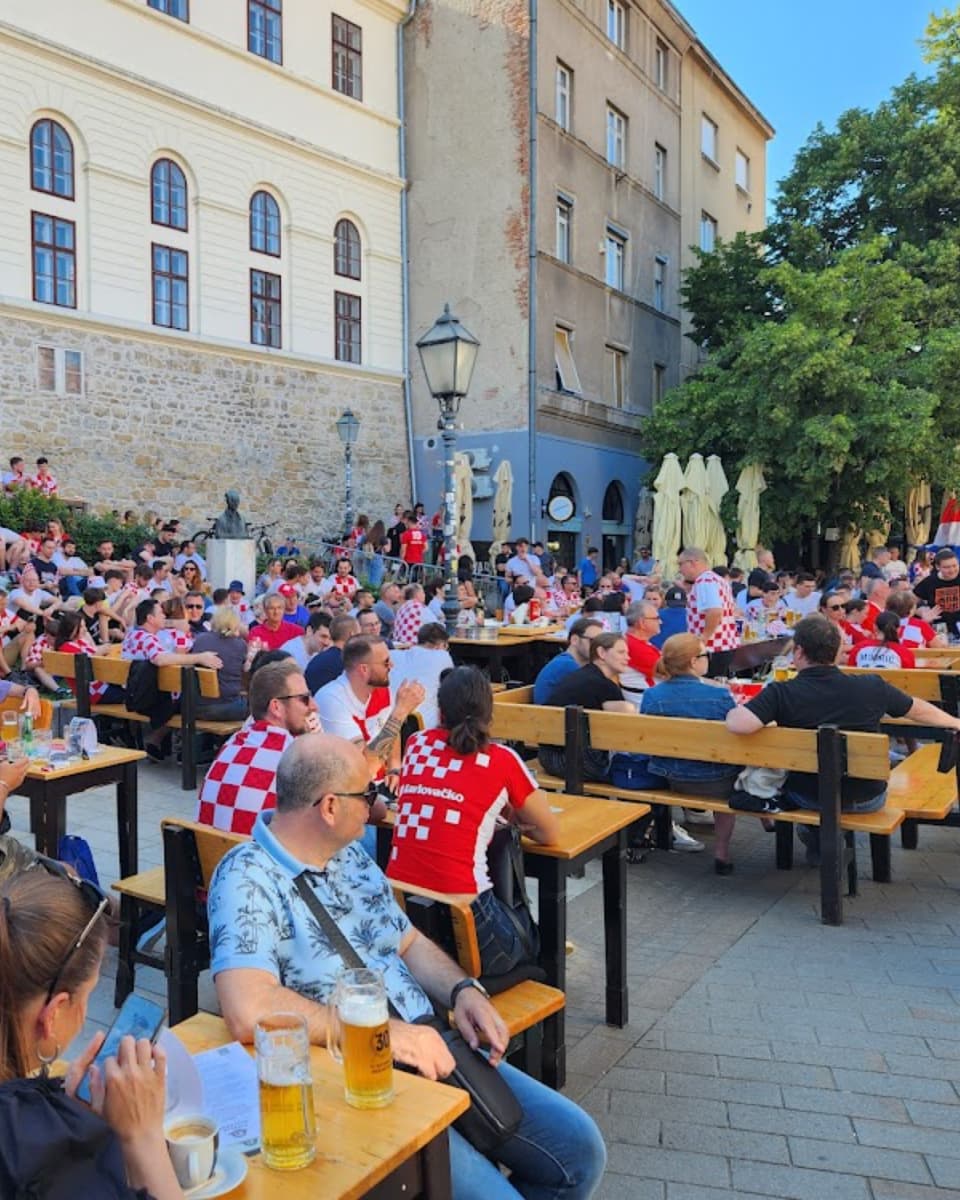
{"x": 359, "y": 1037}
{"x": 288, "y": 1130}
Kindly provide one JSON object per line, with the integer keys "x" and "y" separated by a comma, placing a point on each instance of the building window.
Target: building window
{"x": 265, "y": 309}
{"x": 660, "y": 284}
{"x": 564, "y": 100}
{"x": 168, "y": 191}
{"x": 659, "y": 171}
{"x": 708, "y": 138}
{"x": 661, "y": 59}
{"x": 614, "y": 253}
{"x": 173, "y": 8}
{"x": 743, "y": 171}
{"x": 265, "y": 29}
{"x": 54, "y": 261}
{"x": 616, "y": 137}
{"x": 564, "y": 229}
{"x": 567, "y": 378}
{"x": 708, "y": 232}
{"x": 347, "y": 58}
{"x": 346, "y": 250}
{"x": 617, "y": 23}
{"x": 171, "y": 288}
{"x": 659, "y": 382}
{"x": 51, "y": 159}
{"x": 348, "y": 328}
{"x": 59, "y": 371}
{"x": 615, "y": 377}
{"x": 264, "y": 224}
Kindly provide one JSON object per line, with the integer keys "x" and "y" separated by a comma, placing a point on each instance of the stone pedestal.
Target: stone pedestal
{"x": 232, "y": 558}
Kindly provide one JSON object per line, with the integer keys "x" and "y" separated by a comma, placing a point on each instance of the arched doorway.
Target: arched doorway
{"x": 616, "y": 531}
{"x": 563, "y": 520}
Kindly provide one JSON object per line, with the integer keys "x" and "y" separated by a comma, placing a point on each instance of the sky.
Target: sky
{"x": 801, "y": 63}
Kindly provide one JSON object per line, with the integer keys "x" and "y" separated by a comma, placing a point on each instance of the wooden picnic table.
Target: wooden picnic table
{"x": 400, "y": 1150}
{"x": 526, "y": 651}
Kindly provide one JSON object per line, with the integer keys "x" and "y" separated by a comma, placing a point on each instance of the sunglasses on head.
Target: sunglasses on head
{"x": 96, "y": 899}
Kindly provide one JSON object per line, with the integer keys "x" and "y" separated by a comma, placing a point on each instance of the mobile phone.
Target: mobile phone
{"x": 139, "y": 1017}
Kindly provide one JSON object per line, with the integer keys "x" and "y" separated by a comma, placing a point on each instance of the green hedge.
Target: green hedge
{"x": 27, "y": 509}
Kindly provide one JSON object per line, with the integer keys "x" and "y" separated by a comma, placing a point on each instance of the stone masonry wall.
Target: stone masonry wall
{"x": 169, "y": 427}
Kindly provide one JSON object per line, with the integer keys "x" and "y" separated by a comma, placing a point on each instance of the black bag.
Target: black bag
{"x": 55, "y": 1148}
{"x": 142, "y": 692}
{"x": 508, "y": 879}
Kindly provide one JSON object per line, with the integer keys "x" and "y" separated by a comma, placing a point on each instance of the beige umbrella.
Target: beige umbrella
{"x": 463, "y": 503}
{"x": 919, "y": 510}
{"x": 503, "y": 502}
{"x": 750, "y": 485}
{"x": 850, "y": 548}
{"x": 666, "y": 514}
{"x": 693, "y": 503}
{"x": 717, "y": 488}
{"x": 643, "y": 521}
{"x": 877, "y": 536}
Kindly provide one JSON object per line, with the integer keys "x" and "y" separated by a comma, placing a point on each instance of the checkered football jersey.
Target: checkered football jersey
{"x": 141, "y": 646}
{"x": 447, "y": 807}
{"x": 242, "y": 781}
{"x": 726, "y": 636}
{"x": 97, "y": 687}
{"x": 406, "y": 625}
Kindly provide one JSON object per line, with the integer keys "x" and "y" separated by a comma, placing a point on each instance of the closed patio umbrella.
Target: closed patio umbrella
{"x": 850, "y": 548}
{"x": 666, "y": 514}
{"x": 463, "y": 503}
{"x": 750, "y": 485}
{"x": 918, "y": 510}
{"x": 693, "y": 503}
{"x": 717, "y": 488}
{"x": 502, "y": 504}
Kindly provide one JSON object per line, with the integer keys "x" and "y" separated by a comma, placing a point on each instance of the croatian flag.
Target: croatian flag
{"x": 948, "y": 532}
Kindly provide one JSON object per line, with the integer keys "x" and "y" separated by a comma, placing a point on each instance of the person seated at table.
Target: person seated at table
{"x": 683, "y": 692}
{"x": 490, "y": 783}
{"x": 53, "y": 931}
{"x": 266, "y": 956}
{"x": 577, "y": 655}
{"x": 833, "y": 608}
{"x": 615, "y": 610}
{"x": 914, "y": 632}
{"x": 768, "y": 610}
{"x": 274, "y": 629}
{"x": 227, "y": 639}
{"x": 883, "y": 651}
{"x": 425, "y": 663}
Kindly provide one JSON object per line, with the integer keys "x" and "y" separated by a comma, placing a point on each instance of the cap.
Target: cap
{"x": 675, "y": 597}
{"x": 286, "y": 590}
{"x": 236, "y": 585}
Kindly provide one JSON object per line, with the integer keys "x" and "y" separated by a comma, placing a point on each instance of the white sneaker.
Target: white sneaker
{"x": 683, "y": 841}
{"x": 698, "y": 816}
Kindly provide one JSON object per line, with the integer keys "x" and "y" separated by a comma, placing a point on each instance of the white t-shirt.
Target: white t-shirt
{"x": 73, "y": 563}
{"x": 425, "y": 666}
{"x": 343, "y": 714}
{"x": 297, "y": 651}
{"x": 805, "y": 605}
{"x": 38, "y": 599}
{"x": 524, "y": 568}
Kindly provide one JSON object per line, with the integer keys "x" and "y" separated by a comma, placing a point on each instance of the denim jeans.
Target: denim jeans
{"x": 810, "y": 834}
{"x": 556, "y": 1154}
{"x": 500, "y": 942}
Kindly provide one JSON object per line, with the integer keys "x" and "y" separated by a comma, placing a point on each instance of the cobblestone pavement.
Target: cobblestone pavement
{"x": 766, "y": 1055}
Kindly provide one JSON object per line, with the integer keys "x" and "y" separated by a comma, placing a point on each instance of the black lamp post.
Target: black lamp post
{"x": 448, "y": 354}
{"x": 348, "y": 430}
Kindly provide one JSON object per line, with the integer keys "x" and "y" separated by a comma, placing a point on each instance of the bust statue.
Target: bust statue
{"x": 230, "y": 524}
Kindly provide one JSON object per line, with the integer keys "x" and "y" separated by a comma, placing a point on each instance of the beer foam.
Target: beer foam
{"x": 362, "y": 1010}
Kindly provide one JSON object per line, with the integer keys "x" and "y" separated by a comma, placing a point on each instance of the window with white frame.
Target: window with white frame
{"x": 564, "y": 98}
{"x": 709, "y": 136}
{"x": 708, "y": 232}
{"x": 660, "y": 283}
{"x": 567, "y": 378}
{"x": 564, "y": 229}
{"x": 661, "y": 60}
{"x": 616, "y": 137}
{"x": 659, "y": 171}
{"x": 615, "y": 377}
{"x": 659, "y": 383}
{"x": 60, "y": 371}
{"x": 617, "y": 23}
{"x": 614, "y": 253}
{"x": 742, "y": 171}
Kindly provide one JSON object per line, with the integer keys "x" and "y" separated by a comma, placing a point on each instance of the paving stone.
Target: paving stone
{"x": 908, "y": 1087}
{"x": 886, "y": 1189}
{"x": 668, "y": 1108}
{"x": 940, "y": 1116}
{"x": 827, "y": 1056}
{"x": 681, "y": 1166}
{"x": 693, "y": 1191}
{"x": 627, "y": 1187}
{"x": 796, "y": 1183}
{"x": 945, "y": 1171}
{"x": 844, "y": 1103}
{"x": 717, "y": 1044}
{"x": 595, "y": 1053}
{"x": 858, "y": 1160}
{"x": 746, "y": 1090}
{"x": 732, "y": 1143}
{"x": 620, "y": 1127}
{"x": 927, "y": 1068}
{"x": 634, "y": 1080}
{"x": 774, "y": 1072}
{"x": 672, "y": 1060}
{"x": 897, "y": 1136}
{"x": 831, "y": 1126}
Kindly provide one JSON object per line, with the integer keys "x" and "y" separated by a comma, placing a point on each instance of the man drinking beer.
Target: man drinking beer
{"x": 269, "y": 955}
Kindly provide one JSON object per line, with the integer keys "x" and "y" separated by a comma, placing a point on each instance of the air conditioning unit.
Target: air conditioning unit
{"x": 479, "y": 458}
{"x": 481, "y": 487}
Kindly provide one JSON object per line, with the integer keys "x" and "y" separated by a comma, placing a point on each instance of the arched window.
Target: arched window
{"x": 346, "y": 249}
{"x": 168, "y": 194}
{"x": 265, "y": 224}
{"x": 51, "y": 159}
{"x": 613, "y": 504}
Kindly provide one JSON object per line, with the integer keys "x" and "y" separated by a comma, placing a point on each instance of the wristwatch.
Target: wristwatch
{"x": 469, "y": 982}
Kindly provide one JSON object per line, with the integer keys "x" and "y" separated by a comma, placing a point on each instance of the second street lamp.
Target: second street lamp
{"x": 348, "y": 430}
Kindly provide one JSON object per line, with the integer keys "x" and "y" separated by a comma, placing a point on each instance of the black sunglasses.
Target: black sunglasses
{"x": 303, "y": 697}
{"x": 370, "y": 794}
{"x": 95, "y": 897}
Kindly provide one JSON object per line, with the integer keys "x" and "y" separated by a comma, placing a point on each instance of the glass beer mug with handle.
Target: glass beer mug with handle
{"x": 359, "y": 1037}
{"x": 288, "y": 1130}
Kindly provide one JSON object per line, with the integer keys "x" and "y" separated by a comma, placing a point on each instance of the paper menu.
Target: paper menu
{"x": 231, "y": 1095}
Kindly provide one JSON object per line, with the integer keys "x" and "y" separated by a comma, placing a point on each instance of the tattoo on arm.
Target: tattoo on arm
{"x": 382, "y": 745}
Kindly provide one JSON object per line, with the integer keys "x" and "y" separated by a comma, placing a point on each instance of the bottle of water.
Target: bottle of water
{"x": 26, "y": 734}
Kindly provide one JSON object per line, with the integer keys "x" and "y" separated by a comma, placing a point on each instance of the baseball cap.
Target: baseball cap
{"x": 286, "y": 590}
{"x": 236, "y": 585}
{"x": 675, "y": 597}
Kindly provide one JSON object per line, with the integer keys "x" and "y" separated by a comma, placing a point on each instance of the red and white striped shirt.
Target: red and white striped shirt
{"x": 711, "y": 591}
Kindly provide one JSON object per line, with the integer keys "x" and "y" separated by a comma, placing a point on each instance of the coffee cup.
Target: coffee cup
{"x": 192, "y": 1141}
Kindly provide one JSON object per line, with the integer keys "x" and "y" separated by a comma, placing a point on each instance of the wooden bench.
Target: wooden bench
{"x": 192, "y": 684}
{"x": 140, "y": 895}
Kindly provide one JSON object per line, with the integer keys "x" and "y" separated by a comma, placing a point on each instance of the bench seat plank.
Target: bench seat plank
{"x": 147, "y": 887}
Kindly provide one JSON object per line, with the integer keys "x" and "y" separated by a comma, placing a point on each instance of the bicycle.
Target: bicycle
{"x": 259, "y": 533}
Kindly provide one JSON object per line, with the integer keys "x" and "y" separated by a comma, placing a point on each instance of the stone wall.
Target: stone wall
{"x": 169, "y": 426}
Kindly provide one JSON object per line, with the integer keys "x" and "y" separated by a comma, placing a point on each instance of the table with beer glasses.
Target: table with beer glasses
{"x": 525, "y": 652}
{"x": 400, "y": 1150}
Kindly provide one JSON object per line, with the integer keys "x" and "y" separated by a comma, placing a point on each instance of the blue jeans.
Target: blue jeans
{"x": 556, "y": 1154}
{"x": 501, "y": 944}
{"x": 810, "y": 834}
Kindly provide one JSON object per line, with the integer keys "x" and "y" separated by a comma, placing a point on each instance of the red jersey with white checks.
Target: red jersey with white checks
{"x": 139, "y": 645}
{"x": 406, "y": 625}
{"x": 915, "y": 632}
{"x": 711, "y": 591}
{"x": 448, "y": 804}
{"x": 97, "y": 687}
{"x": 345, "y": 585}
{"x": 242, "y": 780}
{"x": 413, "y": 545}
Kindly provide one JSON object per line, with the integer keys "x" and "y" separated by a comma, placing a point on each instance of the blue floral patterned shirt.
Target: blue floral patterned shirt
{"x": 259, "y": 920}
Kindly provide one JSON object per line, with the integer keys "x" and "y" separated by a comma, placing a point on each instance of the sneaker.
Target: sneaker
{"x": 683, "y": 841}
{"x": 698, "y": 816}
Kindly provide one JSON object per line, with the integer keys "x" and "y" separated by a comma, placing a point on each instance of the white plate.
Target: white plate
{"x": 231, "y": 1171}
{"x": 184, "y": 1088}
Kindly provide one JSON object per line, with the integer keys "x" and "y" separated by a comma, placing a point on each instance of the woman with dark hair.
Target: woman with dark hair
{"x": 885, "y": 650}
{"x": 454, "y": 786}
{"x": 614, "y": 608}
{"x": 53, "y": 929}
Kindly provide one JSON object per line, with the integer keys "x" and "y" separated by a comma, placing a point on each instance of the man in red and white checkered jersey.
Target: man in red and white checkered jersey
{"x": 710, "y": 609}
{"x": 411, "y": 614}
{"x": 241, "y": 781}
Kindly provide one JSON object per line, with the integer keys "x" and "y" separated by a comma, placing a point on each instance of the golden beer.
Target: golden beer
{"x": 288, "y": 1130}
{"x": 365, "y": 1046}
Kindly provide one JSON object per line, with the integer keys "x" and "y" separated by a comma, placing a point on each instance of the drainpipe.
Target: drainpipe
{"x": 404, "y": 251}
{"x": 532, "y": 283}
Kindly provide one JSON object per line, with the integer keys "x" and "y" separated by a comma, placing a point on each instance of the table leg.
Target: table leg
{"x": 127, "y": 824}
{"x": 552, "y": 906}
{"x": 615, "y": 929}
{"x": 435, "y": 1157}
{"x": 48, "y": 819}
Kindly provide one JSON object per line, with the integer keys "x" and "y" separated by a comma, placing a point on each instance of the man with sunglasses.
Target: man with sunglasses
{"x": 269, "y": 954}
{"x": 195, "y": 609}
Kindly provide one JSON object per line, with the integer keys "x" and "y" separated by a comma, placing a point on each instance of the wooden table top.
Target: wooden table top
{"x": 356, "y": 1148}
{"x": 584, "y": 821}
{"x": 106, "y": 756}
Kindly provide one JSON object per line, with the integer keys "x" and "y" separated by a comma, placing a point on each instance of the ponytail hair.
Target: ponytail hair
{"x": 466, "y": 709}
{"x": 888, "y": 627}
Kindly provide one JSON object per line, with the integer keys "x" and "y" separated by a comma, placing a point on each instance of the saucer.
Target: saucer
{"x": 230, "y": 1172}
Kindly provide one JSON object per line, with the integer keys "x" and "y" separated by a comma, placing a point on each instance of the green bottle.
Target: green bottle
{"x": 26, "y": 734}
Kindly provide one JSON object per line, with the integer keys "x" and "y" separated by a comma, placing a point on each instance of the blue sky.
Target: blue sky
{"x": 808, "y": 62}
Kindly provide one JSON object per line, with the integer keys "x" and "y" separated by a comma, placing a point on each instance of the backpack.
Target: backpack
{"x": 55, "y": 1148}
{"x": 76, "y": 853}
{"x": 142, "y": 692}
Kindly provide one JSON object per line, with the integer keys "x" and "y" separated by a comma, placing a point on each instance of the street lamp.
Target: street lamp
{"x": 448, "y": 354}
{"x": 348, "y": 430}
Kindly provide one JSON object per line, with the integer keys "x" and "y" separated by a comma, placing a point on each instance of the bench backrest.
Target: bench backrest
{"x": 535, "y": 724}
{"x": 64, "y": 666}
{"x": 521, "y": 695}
{"x": 212, "y": 844}
{"x": 921, "y": 684}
